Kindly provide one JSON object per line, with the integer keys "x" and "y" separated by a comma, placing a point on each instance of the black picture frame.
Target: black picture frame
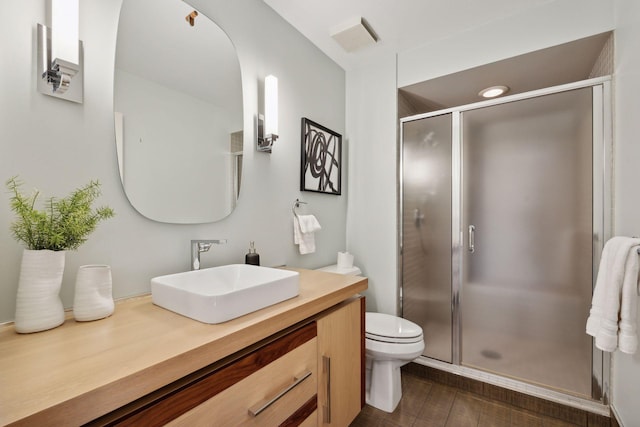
{"x": 321, "y": 159}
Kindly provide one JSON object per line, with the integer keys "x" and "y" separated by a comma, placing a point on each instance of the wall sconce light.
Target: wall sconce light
{"x": 268, "y": 123}
{"x": 60, "y": 56}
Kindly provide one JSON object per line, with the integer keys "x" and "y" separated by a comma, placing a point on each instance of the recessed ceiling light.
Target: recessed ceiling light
{"x": 493, "y": 91}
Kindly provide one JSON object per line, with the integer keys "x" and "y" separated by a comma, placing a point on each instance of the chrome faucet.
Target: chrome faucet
{"x": 199, "y": 246}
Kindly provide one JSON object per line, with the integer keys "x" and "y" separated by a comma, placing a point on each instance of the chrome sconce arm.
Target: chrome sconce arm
{"x": 58, "y": 75}
{"x": 264, "y": 142}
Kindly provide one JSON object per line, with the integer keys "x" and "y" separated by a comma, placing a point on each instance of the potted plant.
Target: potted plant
{"x": 62, "y": 225}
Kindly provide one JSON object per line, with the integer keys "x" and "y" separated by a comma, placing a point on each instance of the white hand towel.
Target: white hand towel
{"x": 304, "y": 227}
{"x": 308, "y": 223}
{"x": 627, "y": 334}
{"x": 297, "y": 233}
{"x": 612, "y": 317}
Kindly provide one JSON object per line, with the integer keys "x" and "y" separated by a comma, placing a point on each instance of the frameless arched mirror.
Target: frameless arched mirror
{"x": 178, "y": 113}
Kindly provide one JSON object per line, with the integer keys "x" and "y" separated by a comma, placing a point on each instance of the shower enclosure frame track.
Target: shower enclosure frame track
{"x": 602, "y": 230}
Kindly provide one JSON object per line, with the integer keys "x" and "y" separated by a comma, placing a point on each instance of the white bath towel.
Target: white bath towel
{"x": 304, "y": 227}
{"x": 612, "y": 319}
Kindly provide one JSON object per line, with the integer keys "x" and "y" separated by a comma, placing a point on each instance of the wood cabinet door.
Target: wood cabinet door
{"x": 341, "y": 364}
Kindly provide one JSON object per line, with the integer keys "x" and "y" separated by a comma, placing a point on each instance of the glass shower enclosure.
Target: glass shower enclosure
{"x": 503, "y": 216}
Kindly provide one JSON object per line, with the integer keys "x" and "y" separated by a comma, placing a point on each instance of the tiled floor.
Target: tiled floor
{"x": 429, "y": 404}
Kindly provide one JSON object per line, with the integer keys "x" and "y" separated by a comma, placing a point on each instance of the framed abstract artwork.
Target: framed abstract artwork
{"x": 321, "y": 159}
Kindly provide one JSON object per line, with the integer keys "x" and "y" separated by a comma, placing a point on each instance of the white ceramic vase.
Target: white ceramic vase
{"x": 38, "y": 304}
{"x": 93, "y": 298}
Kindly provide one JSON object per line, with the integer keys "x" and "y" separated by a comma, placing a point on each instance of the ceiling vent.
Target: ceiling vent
{"x": 354, "y": 34}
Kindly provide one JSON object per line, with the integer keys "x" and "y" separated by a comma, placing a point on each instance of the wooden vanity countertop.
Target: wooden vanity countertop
{"x": 79, "y": 371}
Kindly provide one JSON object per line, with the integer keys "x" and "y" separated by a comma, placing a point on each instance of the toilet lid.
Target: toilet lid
{"x": 387, "y": 328}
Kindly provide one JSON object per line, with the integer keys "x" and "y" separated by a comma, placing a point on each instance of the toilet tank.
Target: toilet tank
{"x": 347, "y": 271}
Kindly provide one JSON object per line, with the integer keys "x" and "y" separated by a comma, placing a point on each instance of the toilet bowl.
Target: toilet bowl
{"x": 390, "y": 342}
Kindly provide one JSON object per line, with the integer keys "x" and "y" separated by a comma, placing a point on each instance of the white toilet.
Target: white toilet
{"x": 390, "y": 342}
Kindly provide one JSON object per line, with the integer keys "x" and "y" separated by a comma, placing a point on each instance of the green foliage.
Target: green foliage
{"x": 63, "y": 224}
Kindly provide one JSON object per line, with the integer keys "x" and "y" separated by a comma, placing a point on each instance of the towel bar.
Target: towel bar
{"x": 298, "y": 202}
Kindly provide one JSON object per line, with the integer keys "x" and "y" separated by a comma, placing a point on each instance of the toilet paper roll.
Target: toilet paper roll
{"x": 345, "y": 260}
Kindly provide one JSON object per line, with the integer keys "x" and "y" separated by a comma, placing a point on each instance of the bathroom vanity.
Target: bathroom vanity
{"x": 148, "y": 363}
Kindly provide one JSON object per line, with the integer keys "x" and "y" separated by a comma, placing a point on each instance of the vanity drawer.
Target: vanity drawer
{"x": 277, "y": 381}
{"x": 293, "y": 377}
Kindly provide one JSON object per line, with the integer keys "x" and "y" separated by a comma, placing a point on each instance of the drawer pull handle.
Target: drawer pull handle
{"x": 326, "y": 362}
{"x": 255, "y": 410}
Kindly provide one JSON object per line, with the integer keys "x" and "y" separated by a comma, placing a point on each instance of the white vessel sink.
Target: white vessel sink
{"x": 218, "y": 294}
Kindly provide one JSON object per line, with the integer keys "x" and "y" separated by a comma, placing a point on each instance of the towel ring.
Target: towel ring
{"x": 297, "y": 205}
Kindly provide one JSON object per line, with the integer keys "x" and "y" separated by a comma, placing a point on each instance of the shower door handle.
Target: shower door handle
{"x": 472, "y": 238}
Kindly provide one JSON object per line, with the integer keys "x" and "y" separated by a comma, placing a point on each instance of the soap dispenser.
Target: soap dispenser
{"x": 252, "y": 257}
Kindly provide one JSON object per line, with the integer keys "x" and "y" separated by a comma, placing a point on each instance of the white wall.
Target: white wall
{"x": 626, "y": 368}
{"x": 371, "y": 130}
{"x": 56, "y": 146}
{"x": 548, "y": 24}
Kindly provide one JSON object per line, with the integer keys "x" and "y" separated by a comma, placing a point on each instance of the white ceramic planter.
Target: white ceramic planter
{"x": 93, "y": 299}
{"x": 38, "y": 304}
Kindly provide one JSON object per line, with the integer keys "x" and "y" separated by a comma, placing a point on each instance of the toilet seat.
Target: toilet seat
{"x": 391, "y": 329}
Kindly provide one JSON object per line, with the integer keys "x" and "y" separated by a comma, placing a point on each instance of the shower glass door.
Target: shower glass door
{"x": 426, "y": 231}
{"x": 527, "y": 211}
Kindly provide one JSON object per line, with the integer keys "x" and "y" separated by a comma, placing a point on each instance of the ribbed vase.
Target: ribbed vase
{"x": 38, "y": 304}
{"x": 93, "y": 299}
